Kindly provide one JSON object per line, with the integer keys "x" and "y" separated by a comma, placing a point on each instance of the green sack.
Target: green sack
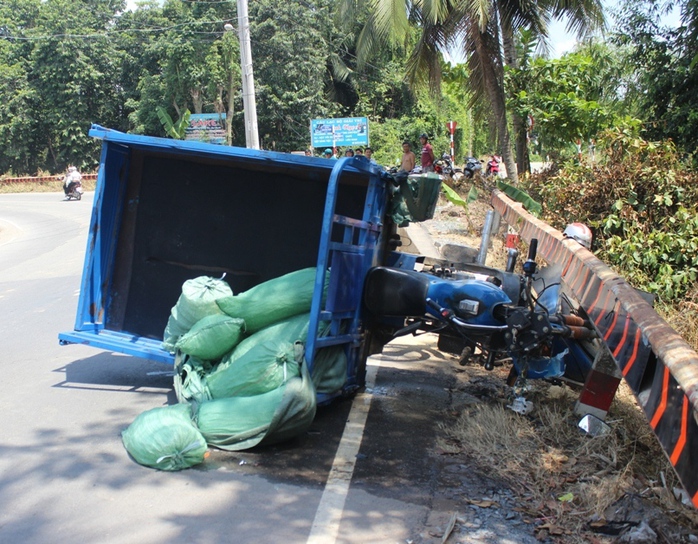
{"x": 230, "y": 422}
{"x": 165, "y": 438}
{"x": 198, "y": 300}
{"x": 330, "y": 369}
{"x": 190, "y": 378}
{"x": 291, "y": 330}
{"x": 239, "y": 423}
{"x": 295, "y": 412}
{"x": 264, "y": 367}
{"x": 273, "y": 300}
{"x": 212, "y": 337}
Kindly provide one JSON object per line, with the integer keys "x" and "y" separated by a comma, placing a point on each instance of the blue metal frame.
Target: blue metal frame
{"x": 348, "y": 260}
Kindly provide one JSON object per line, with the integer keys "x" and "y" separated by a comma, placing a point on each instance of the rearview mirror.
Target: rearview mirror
{"x": 593, "y": 426}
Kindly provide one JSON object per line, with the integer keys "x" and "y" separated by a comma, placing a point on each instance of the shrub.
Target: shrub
{"x": 641, "y": 200}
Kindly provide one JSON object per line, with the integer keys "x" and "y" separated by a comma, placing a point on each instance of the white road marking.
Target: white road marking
{"x": 329, "y": 512}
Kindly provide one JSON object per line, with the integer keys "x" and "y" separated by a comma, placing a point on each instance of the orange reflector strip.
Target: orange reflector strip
{"x": 662, "y": 404}
{"x": 681, "y": 442}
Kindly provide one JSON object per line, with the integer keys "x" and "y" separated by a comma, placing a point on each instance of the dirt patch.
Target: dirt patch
{"x": 458, "y": 225}
{"x": 543, "y": 471}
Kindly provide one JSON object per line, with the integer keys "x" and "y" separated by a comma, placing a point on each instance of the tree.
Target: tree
{"x": 190, "y": 64}
{"x": 289, "y": 57}
{"x": 665, "y": 71}
{"x": 483, "y": 29}
{"x": 569, "y": 98}
{"x": 58, "y": 74}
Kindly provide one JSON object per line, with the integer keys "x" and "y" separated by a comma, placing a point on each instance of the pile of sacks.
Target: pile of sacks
{"x": 240, "y": 372}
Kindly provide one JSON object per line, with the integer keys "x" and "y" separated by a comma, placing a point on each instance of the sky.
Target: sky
{"x": 562, "y": 41}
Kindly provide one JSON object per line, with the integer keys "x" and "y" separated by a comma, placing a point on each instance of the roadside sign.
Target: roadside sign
{"x": 347, "y": 131}
{"x": 206, "y": 127}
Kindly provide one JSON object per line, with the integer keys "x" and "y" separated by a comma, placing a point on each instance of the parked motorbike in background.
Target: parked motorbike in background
{"x": 472, "y": 166}
{"x": 450, "y": 174}
{"x": 493, "y": 166}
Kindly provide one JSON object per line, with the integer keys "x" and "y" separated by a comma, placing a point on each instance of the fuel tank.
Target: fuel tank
{"x": 398, "y": 292}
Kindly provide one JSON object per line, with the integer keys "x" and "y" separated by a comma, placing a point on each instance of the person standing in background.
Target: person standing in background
{"x": 427, "y": 154}
{"x": 368, "y": 153}
{"x": 408, "y": 158}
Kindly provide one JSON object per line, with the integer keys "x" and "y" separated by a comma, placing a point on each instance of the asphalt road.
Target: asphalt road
{"x": 65, "y": 476}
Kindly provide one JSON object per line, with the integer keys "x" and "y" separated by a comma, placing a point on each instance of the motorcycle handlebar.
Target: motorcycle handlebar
{"x": 533, "y": 249}
{"x": 434, "y": 305}
{"x": 581, "y": 333}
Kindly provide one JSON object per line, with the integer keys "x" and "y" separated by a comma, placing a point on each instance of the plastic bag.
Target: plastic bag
{"x": 230, "y": 422}
{"x": 330, "y": 369}
{"x": 239, "y": 423}
{"x": 190, "y": 378}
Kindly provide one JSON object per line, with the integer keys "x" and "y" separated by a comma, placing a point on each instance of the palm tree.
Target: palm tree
{"x": 484, "y": 30}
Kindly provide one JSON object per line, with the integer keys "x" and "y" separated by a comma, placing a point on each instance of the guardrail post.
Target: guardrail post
{"x": 486, "y": 235}
{"x": 600, "y": 387}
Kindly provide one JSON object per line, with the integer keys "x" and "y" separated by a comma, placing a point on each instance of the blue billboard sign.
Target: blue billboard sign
{"x": 347, "y": 131}
{"x": 206, "y": 127}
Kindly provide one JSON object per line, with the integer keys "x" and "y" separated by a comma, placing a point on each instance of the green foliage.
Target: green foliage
{"x": 520, "y": 196}
{"x": 176, "y": 130}
{"x": 290, "y": 52}
{"x": 458, "y": 200}
{"x": 641, "y": 201}
{"x": 664, "y": 70}
{"x": 568, "y": 98}
{"x": 56, "y": 76}
{"x": 453, "y": 197}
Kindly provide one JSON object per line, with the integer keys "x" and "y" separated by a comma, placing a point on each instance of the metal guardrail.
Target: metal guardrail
{"x": 658, "y": 365}
{"x": 42, "y": 179}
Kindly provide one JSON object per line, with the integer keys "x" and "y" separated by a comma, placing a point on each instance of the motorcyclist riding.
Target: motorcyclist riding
{"x": 72, "y": 178}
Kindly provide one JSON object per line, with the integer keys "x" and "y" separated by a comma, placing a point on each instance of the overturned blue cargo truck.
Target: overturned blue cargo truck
{"x": 167, "y": 211}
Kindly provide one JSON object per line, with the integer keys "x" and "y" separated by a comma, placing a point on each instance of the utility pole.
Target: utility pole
{"x": 249, "y": 102}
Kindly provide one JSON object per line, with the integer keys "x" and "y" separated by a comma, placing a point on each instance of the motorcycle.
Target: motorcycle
{"x": 444, "y": 167}
{"x": 73, "y": 190}
{"x": 493, "y": 166}
{"x": 488, "y": 316}
{"x": 472, "y": 166}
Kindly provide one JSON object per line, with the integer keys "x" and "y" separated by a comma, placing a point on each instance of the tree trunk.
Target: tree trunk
{"x": 487, "y": 48}
{"x": 197, "y": 98}
{"x": 519, "y": 123}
